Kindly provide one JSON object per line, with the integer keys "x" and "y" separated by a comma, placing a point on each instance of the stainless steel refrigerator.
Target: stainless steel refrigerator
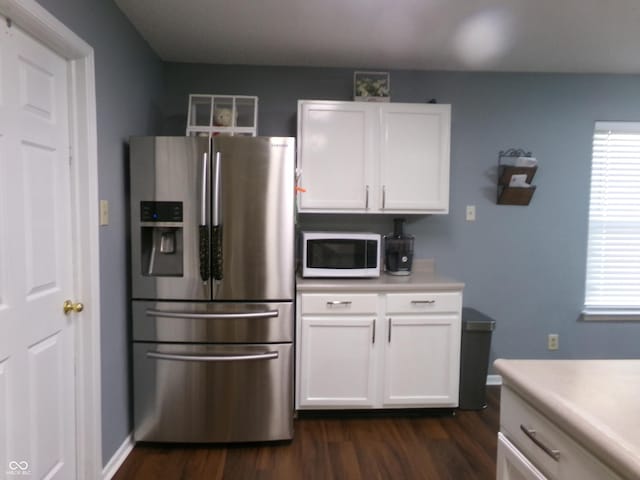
{"x": 212, "y": 261}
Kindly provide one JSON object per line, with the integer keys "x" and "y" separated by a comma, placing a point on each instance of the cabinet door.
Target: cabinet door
{"x": 414, "y": 144}
{"x": 337, "y": 362}
{"x": 334, "y": 156}
{"x": 513, "y": 465}
{"x": 422, "y": 360}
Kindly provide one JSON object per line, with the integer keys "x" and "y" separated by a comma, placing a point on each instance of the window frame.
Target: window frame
{"x": 611, "y": 312}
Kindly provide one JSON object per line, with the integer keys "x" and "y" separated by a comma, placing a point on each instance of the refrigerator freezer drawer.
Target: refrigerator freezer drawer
{"x": 212, "y": 322}
{"x": 212, "y": 393}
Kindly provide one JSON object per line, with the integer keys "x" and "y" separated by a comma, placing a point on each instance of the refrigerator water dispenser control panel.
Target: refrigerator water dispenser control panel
{"x": 161, "y": 211}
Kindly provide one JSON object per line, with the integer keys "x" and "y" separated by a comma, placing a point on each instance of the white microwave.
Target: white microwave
{"x": 340, "y": 254}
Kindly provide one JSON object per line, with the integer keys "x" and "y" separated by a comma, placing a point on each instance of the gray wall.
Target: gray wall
{"x": 128, "y": 84}
{"x": 524, "y": 266}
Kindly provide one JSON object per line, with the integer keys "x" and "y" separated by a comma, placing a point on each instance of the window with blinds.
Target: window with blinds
{"x": 613, "y": 252}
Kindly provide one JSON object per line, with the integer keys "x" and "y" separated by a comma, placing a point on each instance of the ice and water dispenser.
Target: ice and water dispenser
{"x": 161, "y": 239}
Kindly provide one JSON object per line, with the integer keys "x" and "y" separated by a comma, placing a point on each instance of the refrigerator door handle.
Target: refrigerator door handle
{"x": 203, "y": 230}
{"x": 216, "y": 191}
{"x": 216, "y": 230}
{"x": 212, "y": 316}
{"x": 212, "y": 358}
{"x": 203, "y": 191}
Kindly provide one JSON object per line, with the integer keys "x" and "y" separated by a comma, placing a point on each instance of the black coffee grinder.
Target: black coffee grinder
{"x": 398, "y": 250}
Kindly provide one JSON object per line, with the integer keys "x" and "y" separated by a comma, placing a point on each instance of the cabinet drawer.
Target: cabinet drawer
{"x": 551, "y": 450}
{"x": 338, "y": 304}
{"x": 421, "y": 302}
{"x": 512, "y": 465}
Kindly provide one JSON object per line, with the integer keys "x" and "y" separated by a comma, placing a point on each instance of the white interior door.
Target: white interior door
{"x": 37, "y": 390}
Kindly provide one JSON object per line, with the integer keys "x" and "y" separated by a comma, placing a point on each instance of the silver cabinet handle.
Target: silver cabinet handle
{"x": 423, "y": 302}
{"x": 532, "y": 434}
{"x": 333, "y": 303}
{"x": 384, "y": 196}
{"x": 212, "y": 358}
{"x": 373, "y": 337}
{"x": 366, "y": 201}
{"x": 211, "y": 316}
{"x": 389, "y": 321}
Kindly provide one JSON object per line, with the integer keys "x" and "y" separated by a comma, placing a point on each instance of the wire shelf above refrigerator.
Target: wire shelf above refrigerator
{"x": 210, "y": 115}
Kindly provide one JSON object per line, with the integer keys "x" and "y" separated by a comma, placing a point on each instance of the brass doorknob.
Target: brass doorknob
{"x": 69, "y": 306}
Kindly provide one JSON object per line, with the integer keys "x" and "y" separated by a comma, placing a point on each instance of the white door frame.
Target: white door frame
{"x": 32, "y": 18}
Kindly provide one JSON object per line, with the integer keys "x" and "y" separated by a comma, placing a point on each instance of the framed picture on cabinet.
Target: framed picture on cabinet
{"x": 371, "y": 87}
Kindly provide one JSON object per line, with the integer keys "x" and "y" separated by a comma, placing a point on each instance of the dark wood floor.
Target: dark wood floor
{"x": 433, "y": 447}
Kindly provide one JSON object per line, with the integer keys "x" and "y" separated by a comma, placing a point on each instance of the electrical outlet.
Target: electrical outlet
{"x": 553, "y": 341}
{"x": 471, "y": 213}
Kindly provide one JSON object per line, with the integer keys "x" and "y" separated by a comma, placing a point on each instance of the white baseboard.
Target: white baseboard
{"x": 118, "y": 458}
{"x": 494, "y": 379}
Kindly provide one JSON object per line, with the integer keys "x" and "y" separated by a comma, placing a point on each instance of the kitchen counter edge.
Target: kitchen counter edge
{"x": 536, "y": 381}
{"x": 417, "y": 281}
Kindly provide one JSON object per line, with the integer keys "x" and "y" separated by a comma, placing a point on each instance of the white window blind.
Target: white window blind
{"x": 613, "y": 252}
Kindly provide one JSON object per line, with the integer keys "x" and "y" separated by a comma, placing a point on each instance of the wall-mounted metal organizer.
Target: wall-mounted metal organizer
{"x": 516, "y": 169}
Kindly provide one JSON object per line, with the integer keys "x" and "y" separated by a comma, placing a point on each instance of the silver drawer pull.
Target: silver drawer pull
{"x": 532, "y": 434}
{"x": 212, "y": 358}
{"x": 422, "y": 302}
{"x": 211, "y": 316}
{"x": 334, "y": 303}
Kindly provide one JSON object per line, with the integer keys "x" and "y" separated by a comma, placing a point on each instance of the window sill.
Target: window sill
{"x": 610, "y": 316}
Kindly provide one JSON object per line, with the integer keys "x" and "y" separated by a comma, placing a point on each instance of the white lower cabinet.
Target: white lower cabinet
{"x": 530, "y": 446}
{"x": 421, "y": 360}
{"x": 512, "y": 464}
{"x": 384, "y": 350}
{"x": 338, "y": 361}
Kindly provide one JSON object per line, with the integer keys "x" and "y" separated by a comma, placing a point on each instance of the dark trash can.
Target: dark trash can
{"x": 474, "y": 358}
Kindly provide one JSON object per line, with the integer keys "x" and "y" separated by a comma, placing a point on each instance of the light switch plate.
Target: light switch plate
{"x": 471, "y": 213}
{"x": 104, "y": 212}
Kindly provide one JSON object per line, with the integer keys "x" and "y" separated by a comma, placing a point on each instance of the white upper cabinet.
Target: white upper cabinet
{"x": 414, "y": 144}
{"x": 358, "y": 157}
{"x": 334, "y": 142}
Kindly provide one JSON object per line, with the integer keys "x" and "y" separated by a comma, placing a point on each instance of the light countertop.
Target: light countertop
{"x": 423, "y": 277}
{"x": 597, "y": 402}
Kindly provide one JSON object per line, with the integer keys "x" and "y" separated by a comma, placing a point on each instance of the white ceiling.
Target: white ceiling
{"x": 582, "y": 36}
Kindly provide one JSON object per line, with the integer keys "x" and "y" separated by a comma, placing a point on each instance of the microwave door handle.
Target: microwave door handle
{"x": 203, "y": 229}
{"x": 216, "y": 230}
